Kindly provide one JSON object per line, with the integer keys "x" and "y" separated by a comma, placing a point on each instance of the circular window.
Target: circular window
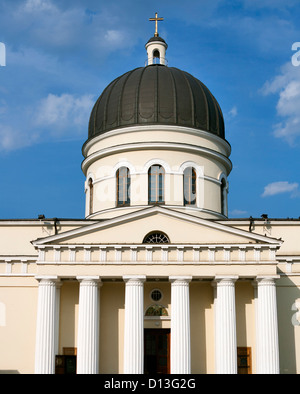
{"x": 156, "y": 238}
{"x": 156, "y": 295}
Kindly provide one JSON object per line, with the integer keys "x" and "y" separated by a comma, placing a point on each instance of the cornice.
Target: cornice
{"x": 167, "y": 128}
{"x": 152, "y": 211}
{"x": 139, "y": 146}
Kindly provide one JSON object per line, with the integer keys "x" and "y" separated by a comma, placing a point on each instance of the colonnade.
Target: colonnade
{"x": 267, "y": 347}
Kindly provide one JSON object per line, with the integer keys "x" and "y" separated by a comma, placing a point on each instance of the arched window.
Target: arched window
{"x": 156, "y": 237}
{"x": 156, "y": 310}
{"x": 223, "y": 197}
{"x": 156, "y": 181}
{"x": 189, "y": 186}
{"x": 91, "y": 196}
{"x": 123, "y": 186}
{"x": 156, "y": 56}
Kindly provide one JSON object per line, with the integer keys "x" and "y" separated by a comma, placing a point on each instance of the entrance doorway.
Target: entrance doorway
{"x": 157, "y": 351}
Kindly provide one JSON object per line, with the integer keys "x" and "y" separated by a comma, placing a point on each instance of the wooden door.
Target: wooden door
{"x": 244, "y": 360}
{"x": 157, "y": 351}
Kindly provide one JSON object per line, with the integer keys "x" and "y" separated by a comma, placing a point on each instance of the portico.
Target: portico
{"x": 225, "y": 333}
{"x": 198, "y": 285}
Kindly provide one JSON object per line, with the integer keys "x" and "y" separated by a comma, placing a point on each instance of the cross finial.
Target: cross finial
{"x": 156, "y": 19}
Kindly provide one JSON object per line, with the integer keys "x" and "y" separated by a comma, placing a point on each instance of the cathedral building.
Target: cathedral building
{"x": 156, "y": 278}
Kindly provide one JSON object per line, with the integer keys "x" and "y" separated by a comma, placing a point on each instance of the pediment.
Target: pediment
{"x": 131, "y": 228}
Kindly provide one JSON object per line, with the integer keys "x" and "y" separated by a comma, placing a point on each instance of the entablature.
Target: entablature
{"x": 247, "y": 253}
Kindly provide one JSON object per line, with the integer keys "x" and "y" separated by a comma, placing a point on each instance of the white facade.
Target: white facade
{"x": 86, "y": 292}
{"x": 213, "y": 295}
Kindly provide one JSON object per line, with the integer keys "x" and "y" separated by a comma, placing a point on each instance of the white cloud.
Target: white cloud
{"x": 256, "y": 4}
{"x": 3, "y": 107}
{"x": 289, "y": 99}
{"x": 12, "y": 138}
{"x": 55, "y": 117}
{"x": 33, "y": 59}
{"x": 64, "y": 113}
{"x": 233, "y": 112}
{"x": 38, "y": 5}
{"x": 275, "y": 188}
{"x": 287, "y": 86}
{"x": 48, "y": 25}
{"x": 114, "y": 37}
{"x": 69, "y": 27}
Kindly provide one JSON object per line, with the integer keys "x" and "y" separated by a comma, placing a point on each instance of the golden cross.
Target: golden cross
{"x": 156, "y": 19}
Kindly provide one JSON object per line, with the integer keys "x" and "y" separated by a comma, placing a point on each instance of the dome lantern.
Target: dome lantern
{"x": 156, "y": 47}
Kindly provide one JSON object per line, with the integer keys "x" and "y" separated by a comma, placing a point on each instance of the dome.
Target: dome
{"x": 157, "y": 38}
{"x": 155, "y": 95}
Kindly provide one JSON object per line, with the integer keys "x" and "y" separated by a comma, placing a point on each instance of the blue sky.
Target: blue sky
{"x": 61, "y": 54}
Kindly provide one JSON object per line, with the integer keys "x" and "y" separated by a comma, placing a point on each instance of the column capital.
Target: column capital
{"x": 224, "y": 280}
{"x": 45, "y": 278}
{"x": 180, "y": 279}
{"x": 134, "y": 278}
{"x": 89, "y": 279}
{"x": 266, "y": 279}
{"x": 227, "y": 277}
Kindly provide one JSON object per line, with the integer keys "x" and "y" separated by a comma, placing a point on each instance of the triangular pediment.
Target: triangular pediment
{"x": 180, "y": 227}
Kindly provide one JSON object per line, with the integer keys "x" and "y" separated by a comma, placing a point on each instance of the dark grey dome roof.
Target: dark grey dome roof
{"x": 157, "y": 38}
{"x": 153, "y": 95}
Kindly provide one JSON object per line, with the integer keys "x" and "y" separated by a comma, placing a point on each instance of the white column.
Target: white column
{"x": 134, "y": 325}
{"x": 180, "y": 325}
{"x": 57, "y": 313}
{"x": 46, "y": 327}
{"x": 88, "y": 325}
{"x": 267, "y": 327}
{"x": 225, "y": 325}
